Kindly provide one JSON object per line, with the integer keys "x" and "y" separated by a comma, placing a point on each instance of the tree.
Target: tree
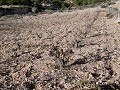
{"x": 47, "y": 1}
{"x": 57, "y": 4}
{"x": 87, "y": 2}
{"x": 26, "y": 2}
{"x": 78, "y": 2}
{"x": 17, "y": 2}
{"x": 2, "y": 2}
{"x": 65, "y": 5}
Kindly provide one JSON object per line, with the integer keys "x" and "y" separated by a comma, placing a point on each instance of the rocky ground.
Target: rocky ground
{"x": 77, "y": 50}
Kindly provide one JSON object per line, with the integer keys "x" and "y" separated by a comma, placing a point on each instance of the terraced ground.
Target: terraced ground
{"x": 77, "y": 50}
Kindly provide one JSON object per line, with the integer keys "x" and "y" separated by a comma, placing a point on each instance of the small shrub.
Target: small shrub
{"x": 62, "y": 57}
{"x": 65, "y": 5}
{"x": 84, "y": 84}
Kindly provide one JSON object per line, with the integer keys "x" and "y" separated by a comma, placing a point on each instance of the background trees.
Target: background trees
{"x": 2, "y": 2}
{"x": 86, "y": 2}
{"x": 55, "y": 3}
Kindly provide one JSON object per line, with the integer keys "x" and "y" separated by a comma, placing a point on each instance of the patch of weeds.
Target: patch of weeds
{"x": 80, "y": 61}
{"x": 58, "y": 53}
{"x": 84, "y": 85}
{"x": 62, "y": 57}
{"x": 91, "y": 85}
{"x": 109, "y": 87}
{"x": 30, "y": 85}
{"x": 97, "y": 57}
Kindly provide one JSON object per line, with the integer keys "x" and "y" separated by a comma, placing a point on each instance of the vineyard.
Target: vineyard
{"x": 78, "y": 50}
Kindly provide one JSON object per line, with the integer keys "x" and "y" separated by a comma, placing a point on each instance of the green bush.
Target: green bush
{"x": 87, "y": 2}
{"x": 2, "y": 2}
{"x": 65, "y": 5}
{"x": 57, "y": 4}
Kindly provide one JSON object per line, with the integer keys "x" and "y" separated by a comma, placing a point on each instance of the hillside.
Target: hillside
{"x": 60, "y": 51}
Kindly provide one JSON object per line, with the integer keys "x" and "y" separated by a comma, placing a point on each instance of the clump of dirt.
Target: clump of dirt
{"x": 60, "y": 51}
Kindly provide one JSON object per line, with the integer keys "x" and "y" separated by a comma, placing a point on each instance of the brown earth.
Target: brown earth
{"x": 77, "y": 50}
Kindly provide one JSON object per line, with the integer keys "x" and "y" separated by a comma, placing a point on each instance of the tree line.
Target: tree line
{"x": 87, "y": 2}
{"x": 55, "y": 3}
